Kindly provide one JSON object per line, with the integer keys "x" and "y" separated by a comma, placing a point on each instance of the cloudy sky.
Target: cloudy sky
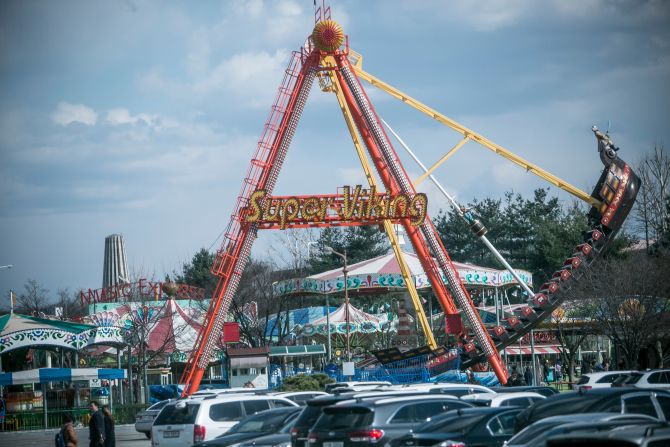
{"x": 140, "y": 117}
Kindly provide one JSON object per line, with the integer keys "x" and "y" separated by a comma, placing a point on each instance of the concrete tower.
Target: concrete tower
{"x": 115, "y": 270}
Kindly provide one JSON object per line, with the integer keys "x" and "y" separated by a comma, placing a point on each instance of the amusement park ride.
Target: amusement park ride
{"x": 326, "y": 56}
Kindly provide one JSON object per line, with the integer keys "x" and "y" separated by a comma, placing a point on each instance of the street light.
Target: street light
{"x": 6, "y": 266}
{"x": 328, "y": 249}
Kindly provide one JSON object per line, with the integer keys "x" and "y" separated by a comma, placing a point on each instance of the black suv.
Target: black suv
{"x": 377, "y": 421}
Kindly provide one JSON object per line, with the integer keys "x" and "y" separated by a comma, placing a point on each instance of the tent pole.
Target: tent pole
{"x": 130, "y": 376}
{"x": 44, "y": 405}
{"x": 120, "y": 381}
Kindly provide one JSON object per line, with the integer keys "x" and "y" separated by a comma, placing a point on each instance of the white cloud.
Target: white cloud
{"x": 67, "y": 113}
{"x": 117, "y": 117}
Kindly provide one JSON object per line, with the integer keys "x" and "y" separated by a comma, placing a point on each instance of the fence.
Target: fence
{"x": 34, "y": 420}
{"x": 419, "y": 369}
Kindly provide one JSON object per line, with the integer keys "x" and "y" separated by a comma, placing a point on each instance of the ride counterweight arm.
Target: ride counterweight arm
{"x": 467, "y": 307}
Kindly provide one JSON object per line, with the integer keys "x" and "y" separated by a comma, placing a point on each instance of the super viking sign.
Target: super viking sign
{"x": 353, "y": 207}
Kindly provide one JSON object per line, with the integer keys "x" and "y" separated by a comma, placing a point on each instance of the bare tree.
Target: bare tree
{"x": 630, "y": 302}
{"x": 70, "y": 303}
{"x": 572, "y": 327}
{"x": 272, "y": 312}
{"x": 651, "y": 210}
{"x": 293, "y": 248}
{"x": 34, "y": 299}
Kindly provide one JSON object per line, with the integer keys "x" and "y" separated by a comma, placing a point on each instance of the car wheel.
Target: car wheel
{"x": 147, "y": 434}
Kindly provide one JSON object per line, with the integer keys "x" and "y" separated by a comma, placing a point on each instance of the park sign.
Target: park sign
{"x": 141, "y": 290}
{"x": 353, "y": 207}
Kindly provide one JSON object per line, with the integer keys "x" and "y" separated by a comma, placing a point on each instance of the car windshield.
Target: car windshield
{"x": 159, "y": 405}
{"x": 171, "y": 415}
{"x": 309, "y": 416}
{"x": 633, "y": 378}
{"x": 260, "y": 423}
{"x": 336, "y": 419}
{"x": 451, "y": 424}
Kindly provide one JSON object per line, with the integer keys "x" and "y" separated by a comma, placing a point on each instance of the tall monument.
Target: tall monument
{"x": 115, "y": 270}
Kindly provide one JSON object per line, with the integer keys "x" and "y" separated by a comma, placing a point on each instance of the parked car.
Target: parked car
{"x": 536, "y": 434}
{"x": 314, "y": 408}
{"x": 522, "y": 399}
{"x": 355, "y": 386}
{"x": 638, "y": 435}
{"x": 378, "y": 420}
{"x": 616, "y": 400}
{"x": 467, "y": 426}
{"x": 280, "y": 439}
{"x": 145, "y": 419}
{"x": 300, "y": 397}
{"x": 190, "y": 421}
{"x": 658, "y": 379}
{"x": 264, "y": 423}
{"x": 598, "y": 379}
{"x": 546, "y": 391}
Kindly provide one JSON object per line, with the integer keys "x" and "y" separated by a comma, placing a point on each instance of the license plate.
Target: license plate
{"x": 333, "y": 444}
{"x": 174, "y": 434}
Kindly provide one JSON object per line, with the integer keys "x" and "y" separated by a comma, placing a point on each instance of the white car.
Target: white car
{"x": 455, "y": 389}
{"x": 523, "y": 399}
{"x": 601, "y": 379}
{"x": 655, "y": 378}
{"x": 197, "y": 419}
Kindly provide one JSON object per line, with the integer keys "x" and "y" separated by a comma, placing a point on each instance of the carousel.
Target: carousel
{"x": 382, "y": 276}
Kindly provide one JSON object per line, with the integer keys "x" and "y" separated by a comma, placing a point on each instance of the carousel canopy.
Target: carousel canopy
{"x": 383, "y": 273}
{"x": 359, "y": 322}
{"x": 19, "y": 331}
{"x": 45, "y": 375}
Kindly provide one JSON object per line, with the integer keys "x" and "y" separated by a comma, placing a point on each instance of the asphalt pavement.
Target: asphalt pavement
{"x": 126, "y": 436}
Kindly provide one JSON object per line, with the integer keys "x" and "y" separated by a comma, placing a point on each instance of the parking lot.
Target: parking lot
{"x": 126, "y": 436}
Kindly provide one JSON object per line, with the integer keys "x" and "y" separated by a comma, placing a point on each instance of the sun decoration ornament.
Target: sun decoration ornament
{"x": 328, "y": 35}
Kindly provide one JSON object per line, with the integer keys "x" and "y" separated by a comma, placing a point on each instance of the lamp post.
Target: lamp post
{"x": 346, "y": 293}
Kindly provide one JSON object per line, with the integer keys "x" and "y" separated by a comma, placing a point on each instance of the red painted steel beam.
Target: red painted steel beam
{"x": 414, "y": 235}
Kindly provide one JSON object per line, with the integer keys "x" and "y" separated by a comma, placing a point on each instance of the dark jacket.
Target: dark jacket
{"x": 110, "y": 437}
{"x": 96, "y": 429}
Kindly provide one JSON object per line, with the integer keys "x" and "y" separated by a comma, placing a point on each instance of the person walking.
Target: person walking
{"x": 68, "y": 433}
{"x": 110, "y": 436}
{"x": 528, "y": 376}
{"x": 96, "y": 426}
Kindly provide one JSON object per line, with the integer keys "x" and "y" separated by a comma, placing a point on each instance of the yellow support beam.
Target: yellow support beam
{"x": 441, "y": 160}
{"x": 404, "y": 268}
{"x": 528, "y": 166}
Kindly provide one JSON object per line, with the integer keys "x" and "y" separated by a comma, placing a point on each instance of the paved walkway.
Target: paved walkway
{"x": 126, "y": 436}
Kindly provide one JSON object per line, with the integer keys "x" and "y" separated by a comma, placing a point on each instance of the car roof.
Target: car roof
{"x": 505, "y": 396}
{"x": 240, "y": 397}
{"x": 420, "y": 397}
{"x": 590, "y": 417}
{"x": 599, "y": 374}
{"x": 625, "y": 432}
{"x": 518, "y": 389}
